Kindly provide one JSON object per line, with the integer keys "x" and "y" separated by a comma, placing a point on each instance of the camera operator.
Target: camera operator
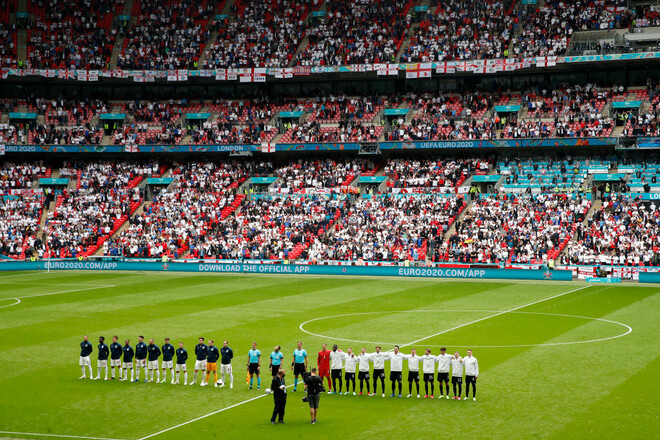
{"x": 314, "y": 387}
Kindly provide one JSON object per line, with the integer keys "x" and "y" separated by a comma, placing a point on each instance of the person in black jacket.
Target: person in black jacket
{"x": 314, "y": 386}
{"x": 278, "y": 386}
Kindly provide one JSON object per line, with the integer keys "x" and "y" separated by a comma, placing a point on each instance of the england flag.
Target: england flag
{"x": 253, "y": 75}
{"x": 418, "y": 70}
{"x": 386, "y": 69}
{"x": 267, "y": 147}
{"x": 226, "y": 75}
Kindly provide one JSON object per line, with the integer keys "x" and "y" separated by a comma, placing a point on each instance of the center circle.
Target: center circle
{"x": 627, "y": 328}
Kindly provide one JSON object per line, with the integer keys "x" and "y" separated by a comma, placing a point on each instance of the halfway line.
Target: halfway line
{"x": 492, "y": 316}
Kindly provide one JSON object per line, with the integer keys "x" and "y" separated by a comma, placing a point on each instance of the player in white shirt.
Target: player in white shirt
{"x": 457, "y": 374}
{"x": 378, "y": 358}
{"x": 336, "y": 364}
{"x": 363, "y": 368}
{"x": 413, "y": 371}
{"x": 428, "y": 365}
{"x": 396, "y": 369}
{"x": 471, "y": 374}
{"x": 351, "y": 364}
{"x": 444, "y": 364}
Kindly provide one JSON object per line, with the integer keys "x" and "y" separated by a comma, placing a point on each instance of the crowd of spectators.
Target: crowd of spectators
{"x": 186, "y": 217}
{"x": 425, "y": 176}
{"x": 276, "y": 227}
{"x": 356, "y": 32}
{"x": 264, "y": 34}
{"x": 7, "y": 46}
{"x": 513, "y": 228}
{"x": 388, "y": 228}
{"x": 35, "y": 134}
{"x": 19, "y": 221}
{"x": 623, "y": 232}
{"x": 87, "y": 215}
{"x": 312, "y": 175}
{"x": 72, "y": 35}
{"x": 169, "y": 34}
{"x": 227, "y": 133}
{"x": 463, "y": 30}
{"x": 20, "y": 175}
{"x": 546, "y": 30}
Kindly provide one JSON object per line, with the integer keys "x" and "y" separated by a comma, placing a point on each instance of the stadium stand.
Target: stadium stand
{"x": 512, "y": 228}
{"x": 623, "y": 232}
{"x": 75, "y": 34}
{"x": 167, "y": 35}
{"x": 264, "y": 34}
{"x": 356, "y": 32}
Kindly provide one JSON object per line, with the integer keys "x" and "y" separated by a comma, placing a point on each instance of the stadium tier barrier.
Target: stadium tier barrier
{"x": 315, "y": 146}
{"x": 292, "y": 269}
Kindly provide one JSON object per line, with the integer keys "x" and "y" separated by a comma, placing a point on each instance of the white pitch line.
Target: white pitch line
{"x": 205, "y": 416}
{"x": 65, "y": 291}
{"x": 493, "y": 316}
{"x": 18, "y": 301}
{"x": 22, "y": 274}
{"x": 56, "y": 435}
{"x": 19, "y": 283}
{"x": 549, "y": 344}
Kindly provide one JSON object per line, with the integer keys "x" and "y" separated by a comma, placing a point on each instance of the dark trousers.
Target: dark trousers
{"x": 278, "y": 411}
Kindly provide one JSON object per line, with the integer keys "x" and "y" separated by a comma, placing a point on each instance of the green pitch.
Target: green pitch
{"x": 557, "y": 360}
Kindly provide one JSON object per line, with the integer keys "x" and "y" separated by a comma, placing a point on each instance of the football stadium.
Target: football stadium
{"x": 270, "y": 218}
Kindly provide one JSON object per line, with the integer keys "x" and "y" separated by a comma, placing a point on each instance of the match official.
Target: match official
{"x": 299, "y": 364}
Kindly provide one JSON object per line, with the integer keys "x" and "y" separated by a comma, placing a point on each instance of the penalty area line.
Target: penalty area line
{"x": 34, "y": 434}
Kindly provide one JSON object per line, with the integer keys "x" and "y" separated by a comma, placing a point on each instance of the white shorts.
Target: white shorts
{"x": 140, "y": 363}
{"x": 115, "y": 363}
{"x": 85, "y": 361}
{"x": 127, "y": 365}
{"x": 102, "y": 364}
{"x": 180, "y": 367}
{"x": 167, "y": 364}
{"x": 152, "y": 365}
{"x": 225, "y": 369}
{"x": 200, "y": 365}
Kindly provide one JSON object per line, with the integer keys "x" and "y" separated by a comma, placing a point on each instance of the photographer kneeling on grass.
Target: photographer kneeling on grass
{"x": 314, "y": 387}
